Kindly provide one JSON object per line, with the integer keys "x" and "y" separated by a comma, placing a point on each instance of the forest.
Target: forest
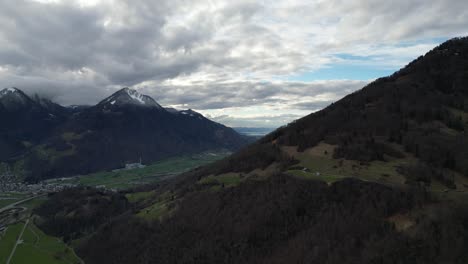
{"x": 420, "y": 111}
{"x": 287, "y": 220}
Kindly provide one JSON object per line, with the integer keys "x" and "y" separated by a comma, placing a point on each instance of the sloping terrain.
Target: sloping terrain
{"x": 50, "y": 141}
{"x": 377, "y": 177}
{"x": 419, "y": 114}
{"x": 25, "y": 122}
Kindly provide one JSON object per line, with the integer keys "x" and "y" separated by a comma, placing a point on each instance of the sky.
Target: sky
{"x": 241, "y": 63}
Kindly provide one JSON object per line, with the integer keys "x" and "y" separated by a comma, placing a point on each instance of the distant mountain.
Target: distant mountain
{"x": 13, "y": 99}
{"x": 172, "y": 110}
{"x": 380, "y": 176}
{"x": 50, "y": 106}
{"x": 254, "y": 131}
{"x": 127, "y": 97}
{"x": 77, "y": 108}
{"x": 25, "y": 122}
{"x": 57, "y": 141}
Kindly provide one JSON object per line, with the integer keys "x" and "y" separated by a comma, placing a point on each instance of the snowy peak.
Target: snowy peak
{"x": 8, "y": 90}
{"x": 12, "y": 91}
{"x": 127, "y": 96}
{"x": 13, "y": 98}
{"x": 185, "y": 113}
{"x": 191, "y": 113}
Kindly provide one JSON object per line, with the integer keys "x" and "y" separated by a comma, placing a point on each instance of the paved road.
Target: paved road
{"x": 17, "y": 242}
{"x": 19, "y": 202}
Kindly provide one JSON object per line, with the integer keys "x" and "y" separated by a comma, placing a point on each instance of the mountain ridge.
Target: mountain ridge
{"x": 377, "y": 177}
{"x": 119, "y": 129}
{"x": 127, "y": 96}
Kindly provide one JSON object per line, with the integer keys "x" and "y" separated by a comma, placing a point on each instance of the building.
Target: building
{"x": 130, "y": 166}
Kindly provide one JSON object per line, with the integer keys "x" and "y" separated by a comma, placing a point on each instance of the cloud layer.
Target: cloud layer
{"x": 240, "y": 62}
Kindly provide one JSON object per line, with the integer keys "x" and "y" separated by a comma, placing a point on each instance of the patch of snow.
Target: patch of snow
{"x": 113, "y": 102}
{"x": 184, "y": 113}
{"x": 136, "y": 96}
{"x": 7, "y": 91}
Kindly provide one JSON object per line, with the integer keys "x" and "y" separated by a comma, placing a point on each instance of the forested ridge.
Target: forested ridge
{"x": 250, "y": 208}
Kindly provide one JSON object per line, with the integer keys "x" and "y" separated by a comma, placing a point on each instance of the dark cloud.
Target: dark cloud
{"x": 239, "y": 94}
{"x": 212, "y": 55}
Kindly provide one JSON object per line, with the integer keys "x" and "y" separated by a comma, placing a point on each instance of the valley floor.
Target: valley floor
{"x": 22, "y": 242}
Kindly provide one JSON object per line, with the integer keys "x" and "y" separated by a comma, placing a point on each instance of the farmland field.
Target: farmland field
{"x": 33, "y": 245}
{"x": 124, "y": 179}
{"x": 36, "y": 247}
{"x": 9, "y": 198}
{"x": 8, "y": 240}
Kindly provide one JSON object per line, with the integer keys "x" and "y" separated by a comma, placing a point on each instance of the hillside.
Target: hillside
{"x": 52, "y": 141}
{"x": 25, "y": 121}
{"x": 377, "y": 177}
{"x": 408, "y": 128}
{"x": 418, "y": 115}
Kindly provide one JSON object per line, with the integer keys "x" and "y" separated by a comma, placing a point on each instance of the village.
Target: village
{"x": 10, "y": 183}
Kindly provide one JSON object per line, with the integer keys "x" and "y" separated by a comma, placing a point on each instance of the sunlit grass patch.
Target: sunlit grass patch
{"x": 139, "y": 196}
{"x": 226, "y": 180}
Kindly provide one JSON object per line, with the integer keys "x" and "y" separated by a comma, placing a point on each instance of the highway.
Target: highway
{"x": 10, "y": 206}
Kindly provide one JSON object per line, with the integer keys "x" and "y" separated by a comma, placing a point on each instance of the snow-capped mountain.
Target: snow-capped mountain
{"x": 13, "y": 99}
{"x": 56, "y": 141}
{"x": 186, "y": 113}
{"x": 6, "y": 91}
{"x": 25, "y": 121}
{"x": 191, "y": 113}
{"x": 127, "y": 96}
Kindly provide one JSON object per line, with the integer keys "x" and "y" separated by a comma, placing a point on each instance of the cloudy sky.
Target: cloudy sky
{"x": 242, "y": 63}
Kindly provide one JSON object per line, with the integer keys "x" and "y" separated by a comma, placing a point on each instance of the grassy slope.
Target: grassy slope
{"x": 40, "y": 248}
{"x": 317, "y": 163}
{"x": 37, "y": 247}
{"x": 139, "y": 196}
{"x": 155, "y": 211}
{"x": 8, "y": 240}
{"x": 228, "y": 179}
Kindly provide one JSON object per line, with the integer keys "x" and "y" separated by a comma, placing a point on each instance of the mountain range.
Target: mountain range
{"x": 42, "y": 139}
{"x": 380, "y": 176}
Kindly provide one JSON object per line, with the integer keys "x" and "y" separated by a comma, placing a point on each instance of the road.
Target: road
{"x": 17, "y": 242}
{"x": 19, "y": 202}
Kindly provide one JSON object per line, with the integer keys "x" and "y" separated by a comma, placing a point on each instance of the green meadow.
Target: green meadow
{"x": 124, "y": 179}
